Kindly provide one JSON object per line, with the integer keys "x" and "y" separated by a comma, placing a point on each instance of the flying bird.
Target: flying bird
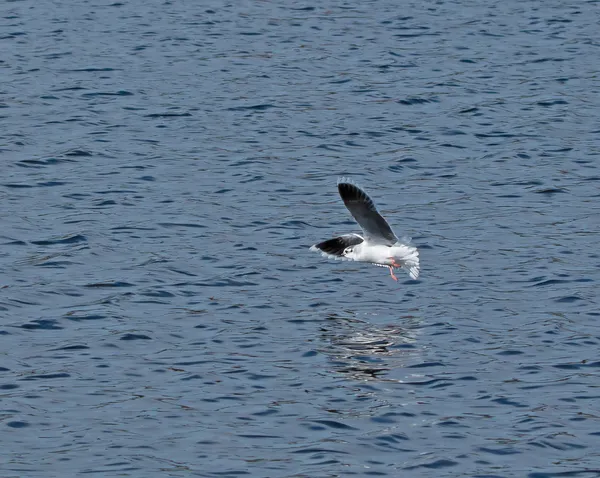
{"x": 378, "y": 244}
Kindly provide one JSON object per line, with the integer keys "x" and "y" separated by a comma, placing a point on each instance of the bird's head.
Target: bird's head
{"x": 349, "y": 252}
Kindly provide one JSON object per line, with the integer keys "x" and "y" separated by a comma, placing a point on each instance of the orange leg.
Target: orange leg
{"x": 394, "y": 264}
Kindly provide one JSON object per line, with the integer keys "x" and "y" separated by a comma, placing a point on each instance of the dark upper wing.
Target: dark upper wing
{"x": 336, "y": 246}
{"x": 363, "y": 209}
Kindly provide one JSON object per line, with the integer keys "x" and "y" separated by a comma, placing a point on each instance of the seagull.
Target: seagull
{"x": 378, "y": 244}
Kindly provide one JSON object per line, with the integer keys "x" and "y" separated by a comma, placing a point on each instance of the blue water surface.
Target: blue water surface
{"x": 166, "y": 166}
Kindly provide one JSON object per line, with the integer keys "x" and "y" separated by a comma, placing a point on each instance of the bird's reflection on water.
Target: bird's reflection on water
{"x": 367, "y": 351}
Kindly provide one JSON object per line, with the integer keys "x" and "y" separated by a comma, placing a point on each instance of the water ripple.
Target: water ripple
{"x": 168, "y": 164}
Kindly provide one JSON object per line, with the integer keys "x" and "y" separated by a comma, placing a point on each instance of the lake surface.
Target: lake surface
{"x": 167, "y": 165}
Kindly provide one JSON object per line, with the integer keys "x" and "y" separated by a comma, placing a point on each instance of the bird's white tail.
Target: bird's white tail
{"x": 410, "y": 262}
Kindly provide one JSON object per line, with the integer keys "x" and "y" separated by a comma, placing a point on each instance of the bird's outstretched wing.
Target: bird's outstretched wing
{"x": 334, "y": 248}
{"x": 362, "y": 208}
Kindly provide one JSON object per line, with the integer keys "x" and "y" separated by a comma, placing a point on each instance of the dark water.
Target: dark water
{"x": 165, "y": 167}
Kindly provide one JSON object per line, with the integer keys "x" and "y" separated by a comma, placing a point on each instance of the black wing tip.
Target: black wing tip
{"x": 337, "y": 245}
{"x": 350, "y": 191}
{"x": 348, "y": 188}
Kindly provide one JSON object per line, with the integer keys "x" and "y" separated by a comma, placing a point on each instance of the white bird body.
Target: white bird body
{"x": 386, "y": 255}
{"x": 379, "y": 246}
